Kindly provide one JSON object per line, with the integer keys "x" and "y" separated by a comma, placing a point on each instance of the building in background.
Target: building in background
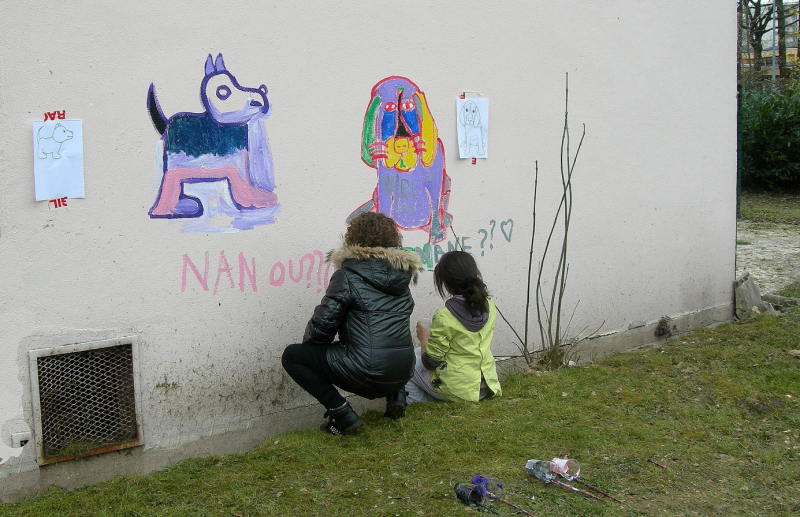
{"x": 770, "y": 43}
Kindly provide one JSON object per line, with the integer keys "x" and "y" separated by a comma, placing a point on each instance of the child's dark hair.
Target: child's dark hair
{"x": 458, "y": 274}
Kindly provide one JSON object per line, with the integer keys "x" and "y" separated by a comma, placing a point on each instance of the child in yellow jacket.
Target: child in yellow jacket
{"x": 455, "y": 361}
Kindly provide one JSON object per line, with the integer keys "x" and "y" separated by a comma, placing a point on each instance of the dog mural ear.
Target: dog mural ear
{"x": 370, "y": 127}
{"x": 428, "y": 130}
{"x": 219, "y": 65}
{"x": 209, "y": 65}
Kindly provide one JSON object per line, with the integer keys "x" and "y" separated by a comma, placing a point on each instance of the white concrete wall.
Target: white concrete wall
{"x": 653, "y": 227}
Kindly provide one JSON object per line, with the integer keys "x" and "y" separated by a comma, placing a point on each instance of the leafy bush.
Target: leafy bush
{"x": 770, "y": 128}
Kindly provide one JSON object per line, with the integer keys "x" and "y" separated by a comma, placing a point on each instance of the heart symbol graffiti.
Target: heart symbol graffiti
{"x": 510, "y": 224}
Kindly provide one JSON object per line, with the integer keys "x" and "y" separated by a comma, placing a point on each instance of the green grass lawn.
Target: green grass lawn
{"x": 791, "y": 291}
{"x": 718, "y": 408}
{"x": 770, "y": 208}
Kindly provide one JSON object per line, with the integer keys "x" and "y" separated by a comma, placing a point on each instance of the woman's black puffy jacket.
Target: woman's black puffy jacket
{"x": 368, "y": 303}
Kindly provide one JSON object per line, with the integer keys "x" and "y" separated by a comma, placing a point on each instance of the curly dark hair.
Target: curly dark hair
{"x": 373, "y": 230}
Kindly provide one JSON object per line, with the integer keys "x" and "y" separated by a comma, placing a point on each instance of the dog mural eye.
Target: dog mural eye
{"x": 408, "y": 105}
{"x": 223, "y": 92}
{"x": 390, "y": 106}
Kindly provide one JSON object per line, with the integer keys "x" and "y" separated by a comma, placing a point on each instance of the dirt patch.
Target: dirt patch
{"x": 770, "y": 253}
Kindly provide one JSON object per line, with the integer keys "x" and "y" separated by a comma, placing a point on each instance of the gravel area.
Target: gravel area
{"x": 770, "y": 253}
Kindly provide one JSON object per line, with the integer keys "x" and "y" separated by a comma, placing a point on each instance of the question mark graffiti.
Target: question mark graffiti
{"x": 491, "y": 234}
{"x": 485, "y": 235}
{"x": 278, "y": 272}
{"x": 310, "y": 267}
{"x": 307, "y": 256}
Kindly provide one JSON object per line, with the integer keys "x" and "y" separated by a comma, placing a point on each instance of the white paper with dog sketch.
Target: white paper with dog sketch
{"x": 58, "y": 159}
{"x": 472, "y": 121}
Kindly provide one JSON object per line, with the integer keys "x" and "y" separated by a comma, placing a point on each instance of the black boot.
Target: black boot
{"x": 396, "y": 405}
{"x": 342, "y": 420}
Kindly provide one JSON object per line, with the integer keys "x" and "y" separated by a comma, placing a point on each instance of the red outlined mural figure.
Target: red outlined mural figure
{"x": 401, "y": 142}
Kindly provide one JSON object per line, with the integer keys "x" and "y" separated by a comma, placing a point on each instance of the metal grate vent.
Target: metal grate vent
{"x": 86, "y": 400}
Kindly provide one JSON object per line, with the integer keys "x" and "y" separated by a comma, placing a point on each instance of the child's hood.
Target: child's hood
{"x": 458, "y": 308}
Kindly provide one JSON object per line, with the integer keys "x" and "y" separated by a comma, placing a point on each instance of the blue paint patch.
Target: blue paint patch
{"x": 199, "y": 134}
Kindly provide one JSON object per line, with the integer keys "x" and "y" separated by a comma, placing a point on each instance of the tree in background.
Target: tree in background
{"x": 754, "y": 20}
{"x": 781, "y": 15}
{"x": 755, "y": 25}
{"x": 769, "y": 124}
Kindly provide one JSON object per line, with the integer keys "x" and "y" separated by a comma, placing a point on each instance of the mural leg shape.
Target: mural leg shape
{"x": 172, "y": 202}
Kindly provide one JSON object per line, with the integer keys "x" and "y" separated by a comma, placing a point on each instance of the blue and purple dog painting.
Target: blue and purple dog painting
{"x": 401, "y": 142}
{"x": 216, "y": 167}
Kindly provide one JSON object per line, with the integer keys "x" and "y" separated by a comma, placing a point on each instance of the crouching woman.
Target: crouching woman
{"x": 368, "y": 304}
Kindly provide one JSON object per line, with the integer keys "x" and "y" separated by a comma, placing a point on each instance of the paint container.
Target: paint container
{"x": 425, "y": 322}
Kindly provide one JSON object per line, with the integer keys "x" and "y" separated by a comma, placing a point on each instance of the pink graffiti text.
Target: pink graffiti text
{"x": 299, "y": 271}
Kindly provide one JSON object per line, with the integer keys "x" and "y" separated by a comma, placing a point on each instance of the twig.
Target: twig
{"x": 512, "y": 505}
{"x": 481, "y": 505}
{"x": 574, "y": 489}
{"x": 530, "y": 265}
{"x": 656, "y": 463}
{"x": 584, "y": 483}
{"x": 507, "y": 322}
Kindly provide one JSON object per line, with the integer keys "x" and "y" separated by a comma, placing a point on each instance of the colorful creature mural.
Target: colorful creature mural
{"x": 216, "y": 163}
{"x": 401, "y": 142}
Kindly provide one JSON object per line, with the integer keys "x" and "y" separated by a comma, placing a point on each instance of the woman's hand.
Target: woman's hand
{"x": 423, "y": 334}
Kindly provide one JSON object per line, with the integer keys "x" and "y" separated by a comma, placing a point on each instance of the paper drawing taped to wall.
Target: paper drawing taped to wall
{"x": 473, "y": 128}
{"x": 216, "y": 166}
{"x": 401, "y": 142}
{"x": 58, "y": 159}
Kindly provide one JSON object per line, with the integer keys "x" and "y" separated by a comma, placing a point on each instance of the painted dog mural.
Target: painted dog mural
{"x": 217, "y": 160}
{"x": 401, "y": 142}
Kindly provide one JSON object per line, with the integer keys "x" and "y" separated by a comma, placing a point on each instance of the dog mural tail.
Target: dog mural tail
{"x": 156, "y": 115}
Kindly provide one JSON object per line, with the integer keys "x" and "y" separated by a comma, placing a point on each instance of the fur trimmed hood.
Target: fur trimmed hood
{"x": 397, "y": 259}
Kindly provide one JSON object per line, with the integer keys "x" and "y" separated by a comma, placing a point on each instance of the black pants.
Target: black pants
{"x": 308, "y": 366}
